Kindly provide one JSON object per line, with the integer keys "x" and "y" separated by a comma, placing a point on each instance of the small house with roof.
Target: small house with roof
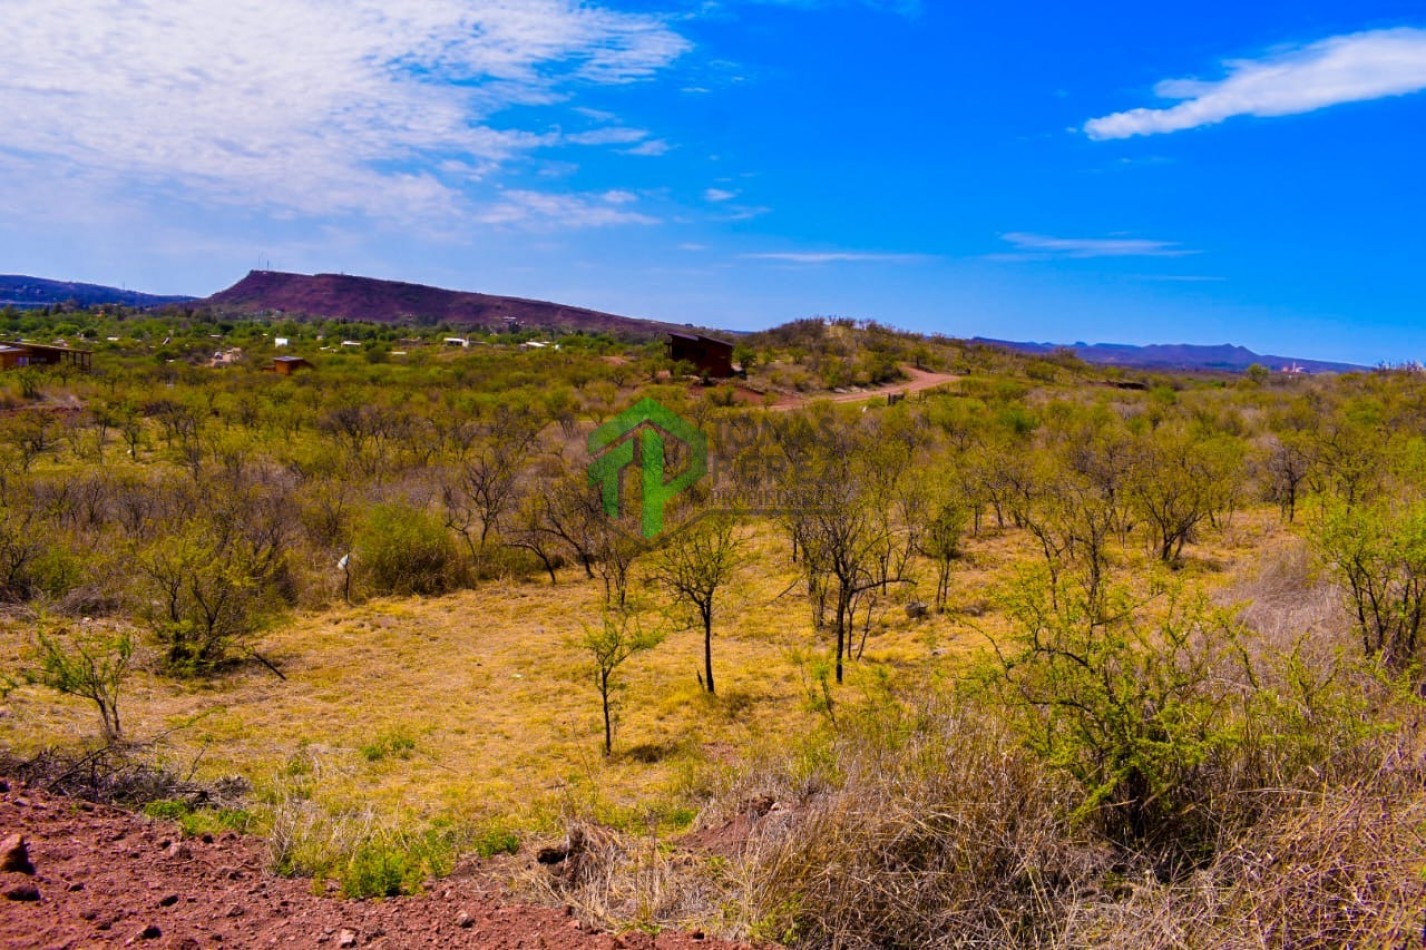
{"x": 20, "y": 354}
{"x": 709, "y": 357}
{"x": 287, "y": 365}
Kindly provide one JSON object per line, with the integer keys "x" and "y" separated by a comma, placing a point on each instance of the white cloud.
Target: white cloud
{"x": 909, "y": 8}
{"x": 539, "y": 210}
{"x": 598, "y": 115}
{"x": 835, "y": 257}
{"x": 609, "y": 135}
{"x": 304, "y": 107}
{"x": 1042, "y": 247}
{"x": 652, "y": 148}
{"x": 742, "y": 212}
{"x": 1351, "y": 68}
{"x": 719, "y": 195}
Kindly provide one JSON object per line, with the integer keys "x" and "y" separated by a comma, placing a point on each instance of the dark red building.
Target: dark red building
{"x": 21, "y": 354}
{"x": 287, "y": 365}
{"x": 709, "y": 356}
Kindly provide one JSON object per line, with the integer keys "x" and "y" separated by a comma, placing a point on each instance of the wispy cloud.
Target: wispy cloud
{"x": 652, "y": 148}
{"x": 835, "y": 257}
{"x": 607, "y": 135}
{"x": 1351, "y": 68}
{"x": 903, "y": 7}
{"x": 1030, "y": 247}
{"x": 540, "y": 211}
{"x": 738, "y": 212}
{"x": 303, "y": 107}
{"x": 719, "y": 195}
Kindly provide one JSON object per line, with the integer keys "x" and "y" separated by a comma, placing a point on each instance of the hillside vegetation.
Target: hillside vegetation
{"x": 1037, "y": 657}
{"x": 386, "y": 301}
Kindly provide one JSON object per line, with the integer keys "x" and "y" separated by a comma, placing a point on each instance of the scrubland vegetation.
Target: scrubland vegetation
{"x": 1038, "y": 658}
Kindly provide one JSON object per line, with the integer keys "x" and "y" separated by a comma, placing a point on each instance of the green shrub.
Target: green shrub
{"x": 210, "y": 583}
{"x": 401, "y": 550}
{"x": 56, "y": 571}
{"x": 395, "y": 743}
{"x": 378, "y": 869}
{"x": 1377, "y": 554}
{"x": 493, "y": 840}
{"x": 87, "y": 664}
{"x": 168, "y": 810}
{"x": 196, "y": 820}
{"x": 1131, "y": 705}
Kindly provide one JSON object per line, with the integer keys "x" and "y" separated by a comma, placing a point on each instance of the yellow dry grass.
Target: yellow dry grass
{"x": 492, "y": 691}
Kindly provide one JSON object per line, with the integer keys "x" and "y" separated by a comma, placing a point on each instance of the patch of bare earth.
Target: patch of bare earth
{"x": 918, "y": 380}
{"x": 86, "y": 875}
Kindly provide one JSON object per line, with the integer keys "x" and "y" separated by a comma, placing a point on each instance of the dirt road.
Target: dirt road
{"x": 918, "y": 381}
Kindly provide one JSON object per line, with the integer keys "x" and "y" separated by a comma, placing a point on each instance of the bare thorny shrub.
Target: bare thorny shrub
{"x": 1335, "y": 869}
{"x": 935, "y": 816}
{"x": 126, "y": 774}
{"x": 620, "y": 880}
{"x": 1284, "y": 599}
{"x": 912, "y": 825}
{"x": 921, "y": 825}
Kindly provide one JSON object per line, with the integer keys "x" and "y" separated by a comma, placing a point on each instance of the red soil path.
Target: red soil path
{"x": 107, "y": 877}
{"x": 918, "y": 381}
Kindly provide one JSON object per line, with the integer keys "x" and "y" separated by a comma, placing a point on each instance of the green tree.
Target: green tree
{"x": 210, "y": 584}
{"x": 694, "y": 565}
{"x": 1377, "y": 553}
{"x": 1129, "y": 707}
{"x": 617, "y": 639}
{"x": 401, "y": 550}
{"x": 941, "y": 542}
{"x": 745, "y": 356}
{"x": 843, "y": 536}
{"x": 1180, "y": 481}
{"x": 1352, "y": 450}
{"x": 88, "y": 666}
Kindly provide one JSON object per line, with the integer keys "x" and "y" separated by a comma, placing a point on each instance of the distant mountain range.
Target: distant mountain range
{"x": 346, "y": 297}
{"x": 17, "y": 290}
{"x": 388, "y": 301}
{"x": 1176, "y": 356}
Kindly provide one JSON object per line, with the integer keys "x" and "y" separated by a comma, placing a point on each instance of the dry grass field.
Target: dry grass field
{"x": 1146, "y": 686}
{"x": 479, "y": 706}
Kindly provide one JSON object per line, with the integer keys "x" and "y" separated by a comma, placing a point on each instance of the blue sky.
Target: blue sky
{"x": 1246, "y": 173}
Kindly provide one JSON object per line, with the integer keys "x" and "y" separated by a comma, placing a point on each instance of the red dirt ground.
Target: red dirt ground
{"x": 917, "y": 381}
{"x": 107, "y": 877}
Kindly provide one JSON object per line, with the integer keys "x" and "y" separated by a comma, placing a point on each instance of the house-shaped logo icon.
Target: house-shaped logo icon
{"x": 636, "y": 436}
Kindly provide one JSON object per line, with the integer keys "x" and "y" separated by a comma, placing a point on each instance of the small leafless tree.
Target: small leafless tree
{"x": 694, "y": 565}
{"x": 91, "y": 667}
{"x": 483, "y": 489}
{"x": 617, "y": 639}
